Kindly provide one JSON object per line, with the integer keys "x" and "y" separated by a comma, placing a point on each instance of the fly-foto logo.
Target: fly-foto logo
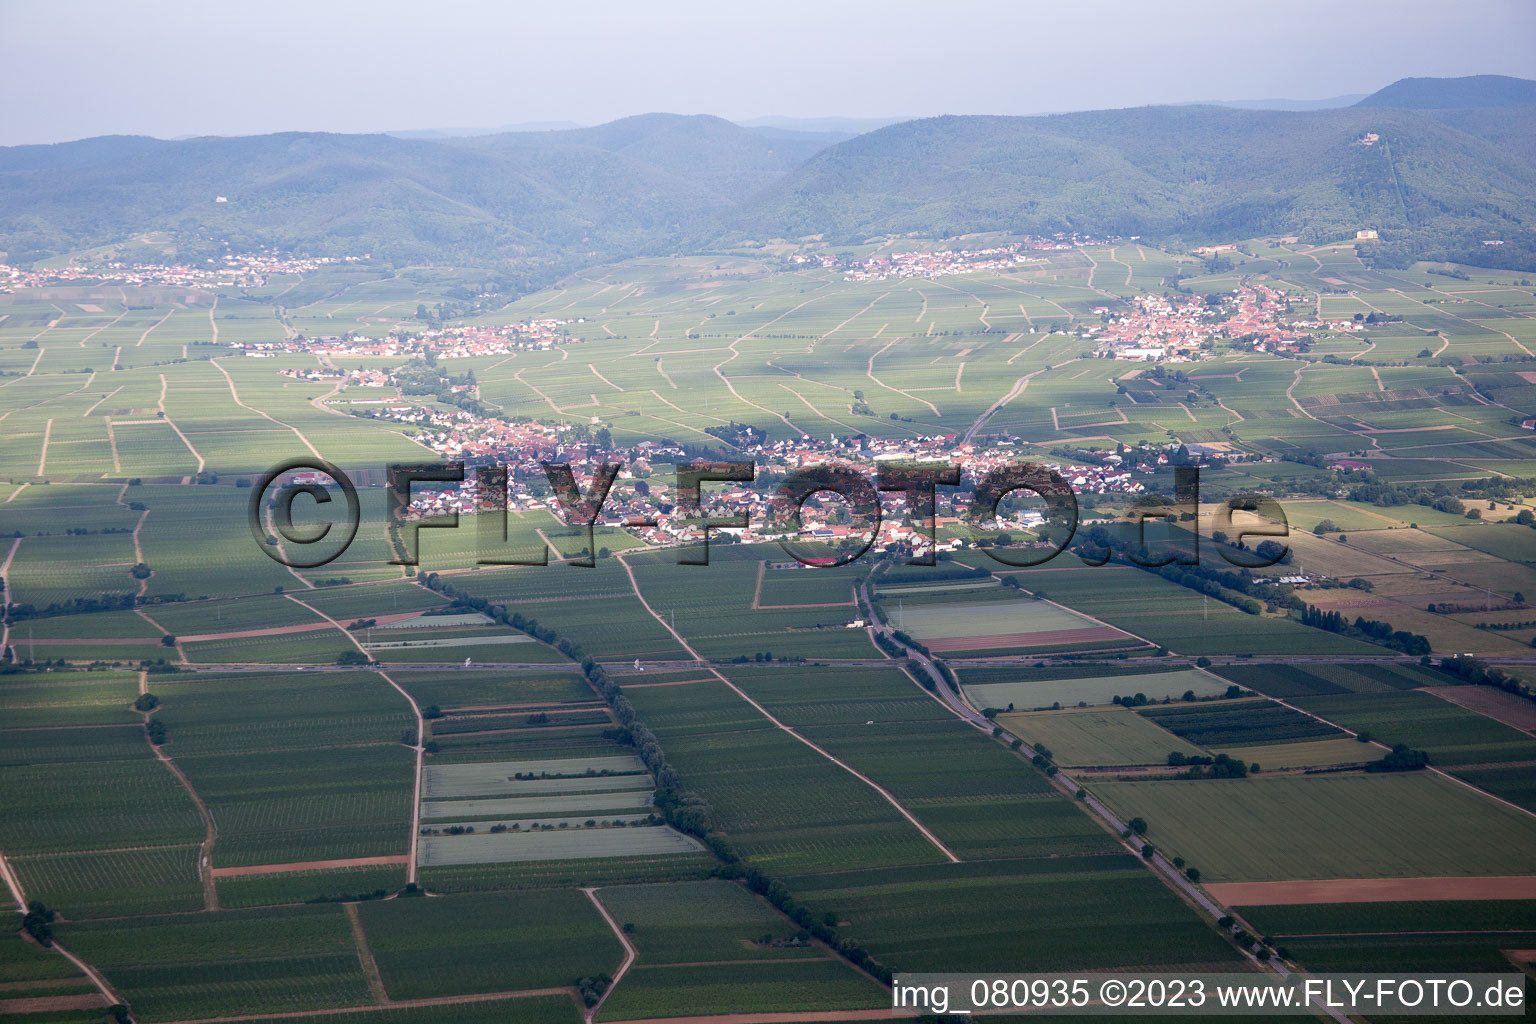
{"x": 330, "y": 523}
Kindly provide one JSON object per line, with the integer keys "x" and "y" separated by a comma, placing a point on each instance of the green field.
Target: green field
{"x": 743, "y": 988}
{"x": 1345, "y": 826}
{"x": 1096, "y": 737}
{"x": 279, "y": 959}
{"x": 688, "y": 922}
{"x": 462, "y": 944}
{"x": 562, "y": 844}
{"x": 1451, "y": 734}
{"x": 1239, "y": 722}
{"x": 1024, "y": 691}
{"x": 1302, "y": 753}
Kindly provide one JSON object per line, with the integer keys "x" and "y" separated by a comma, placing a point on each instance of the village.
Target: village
{"x": 644, "y": 502}
{"x": 1182, "y": 328}
{"x": 445, "y": 342}
{"x": 246, "y": 270}
{"x": 927, "y": 265}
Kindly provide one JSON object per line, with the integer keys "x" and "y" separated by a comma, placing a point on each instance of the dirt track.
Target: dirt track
{"x": 53, "y": 1004}
{"x": 805, "y": 1016}
{"x": 308, "y": 865}
{"x": 1051, "y": 638}
{"x": 1374, "y": 890}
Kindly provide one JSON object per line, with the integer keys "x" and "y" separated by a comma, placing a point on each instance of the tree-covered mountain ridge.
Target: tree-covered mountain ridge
{"x": 1435, "y": 182}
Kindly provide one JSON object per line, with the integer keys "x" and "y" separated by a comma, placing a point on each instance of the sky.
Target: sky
{"x": 171, "y": 68}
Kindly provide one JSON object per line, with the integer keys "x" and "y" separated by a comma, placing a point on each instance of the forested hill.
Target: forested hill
{"x": 1189, "y": 173}
{"x": 1449, "y": 93}
{"x": 1435, "y": 183}
{"x": 629, "y": 186}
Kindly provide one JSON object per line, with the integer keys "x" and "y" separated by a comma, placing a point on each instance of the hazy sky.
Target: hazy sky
{"x": 77, "y": 68}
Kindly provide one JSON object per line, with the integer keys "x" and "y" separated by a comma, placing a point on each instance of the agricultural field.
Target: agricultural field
{"x": 1026, "y": 690}
{"x": 1452, "y": 735}
{"x": 277, "y": 959}
{"x": 240, "y": 843}
{"x": 724, "y": 615}
{"x": 1431, "y": 935}
{"x": 1164, "y": 613}
{"x": 1075, "y": 738}
{"x": 1344, "y": 826}
{"x": 461, "y": 944}
{"x": 1094, "y": 910}
{"x": 1240, "y": 722}
{"x": 1302, "y": 753}
{"x": 1291, "y": 681}
{"x": 574, "y": 808}
{"x": 115, "y": 884}
{"x": 950, "y": 624}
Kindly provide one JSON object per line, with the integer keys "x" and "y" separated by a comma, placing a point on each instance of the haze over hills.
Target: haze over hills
{"x": 1436, "y": 180}
{"x": 1449, "y": 93}
{"x": 1328, "y": 103}
{"x": 724, "y": 160}
{"x": 1191, "y": 173}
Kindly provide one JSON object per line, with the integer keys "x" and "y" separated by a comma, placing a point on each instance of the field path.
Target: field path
{"x": 871, "y": 783}
{"x": 236, "y": 395}
{"x": 210, "y": 829}
{"x": 212, "y": 323}
{"x": 1455, "y": 295}
{"x": 1433, "y": 769}
{"x": 308, "y": 865}
{"x": 419, "y": 747}
{"x": 20, "y": 896}
{"x": 103, "y": 399}
{"x": 157, "y": 323}
{"x": 42, "y": 459}
{"x": 365, "y": 955}
{"x": 757, "y": 595}
{"x": 138, "y": 550}
{"x": 736, "y": 353}
{"x": 599, "y": 374}
{"x": 738, "y": 396}
{"x": 630, "y": 953}
{"x": 195, "y": 454}
{"x": 5, "y": 571}
{"x": 1375, "y": 890}
{"x": 1114, "y": 255}
{"x": 851, "y": 319}
{"x": 30, "y": 370}
{"x": 1014, "y": 392}
{"x": 816, "y": 411}
{"x": 870, "y": 373}
{"x": 478, "y": 997}
{"x": 1289, "y": 395}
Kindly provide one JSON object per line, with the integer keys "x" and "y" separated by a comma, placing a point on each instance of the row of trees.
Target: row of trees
{"x": 1476, "y": 672}
{"x": 1370, "y": 630}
